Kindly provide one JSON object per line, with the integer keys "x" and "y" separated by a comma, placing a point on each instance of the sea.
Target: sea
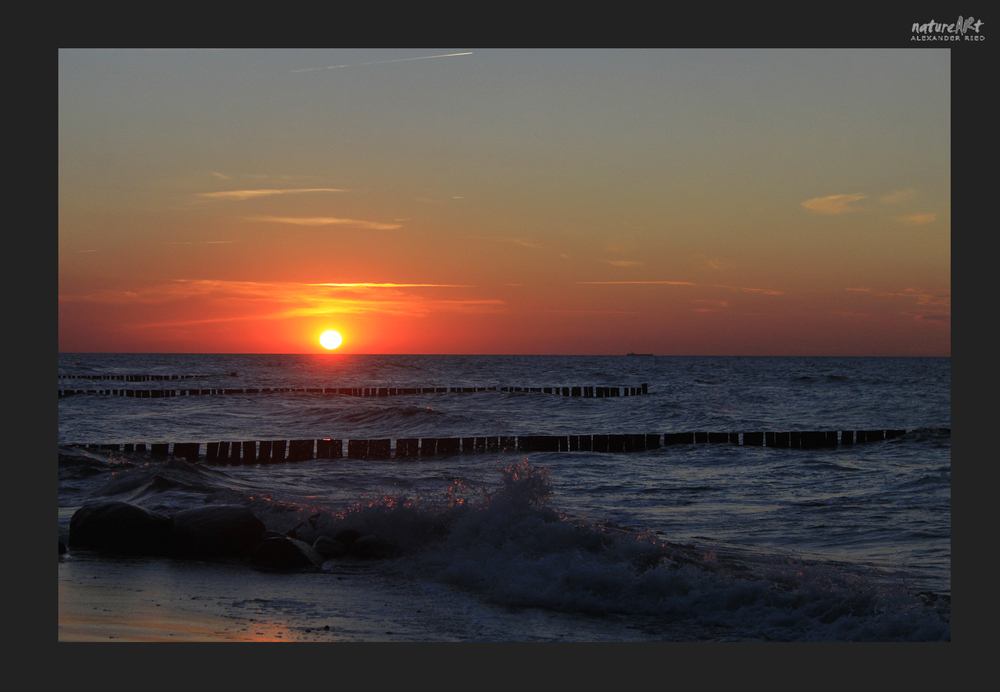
{"x": 534, "y": 520}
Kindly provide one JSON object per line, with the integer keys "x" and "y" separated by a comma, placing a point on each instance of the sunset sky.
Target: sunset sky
{"x": 459, "y": 200}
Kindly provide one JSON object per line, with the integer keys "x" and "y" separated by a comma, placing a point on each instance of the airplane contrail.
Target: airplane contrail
{"x": 381, "y": 62}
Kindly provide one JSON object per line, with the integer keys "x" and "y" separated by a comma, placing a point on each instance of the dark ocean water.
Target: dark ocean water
{"x": 683, "y": 541}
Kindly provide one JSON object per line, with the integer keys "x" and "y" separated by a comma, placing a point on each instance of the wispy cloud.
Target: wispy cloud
{"x": 847, "y": 313}
{"x": 584, "y": 312}
{"x": 160, "y": 293}
{"x": 625, "y": 263}
{"x": 666, "y": 283}
{"x": 719, "y": 264}
{"x": 709, "y": 305}
{"x": 934, "y": 306}
{"x": 897, "y": 196}
{"x": 391, "y": 285}
{"x": 240, "y": 195}
{"x": 746, "y": 289}
{"x": 920, "y": 295}
{"x": 834, "y": 204}
{"x": 917, "y": 219}
{"x": 929, "y": 316}
{"x": 380, "y": 62}
{"x": 526, "y": 243}
{"x": 226, "y": 301}
{"x": 326, "y": 221}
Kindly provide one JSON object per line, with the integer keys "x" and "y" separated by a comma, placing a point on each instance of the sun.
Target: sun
{"x": 330, "y": 340}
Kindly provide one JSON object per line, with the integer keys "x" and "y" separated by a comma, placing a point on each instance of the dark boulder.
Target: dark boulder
{"x": 216, "y": 531}
{"x": 285, "y": 553}
{"x": 120, "y": 527}
{"x": 347, "y": 537}
{"x": 329, "y": 548}
{"x": 373, "y": 548}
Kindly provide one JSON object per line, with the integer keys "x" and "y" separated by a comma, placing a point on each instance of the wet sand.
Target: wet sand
{"x": 149, "y": 601}
{"x": 159, "y": 599}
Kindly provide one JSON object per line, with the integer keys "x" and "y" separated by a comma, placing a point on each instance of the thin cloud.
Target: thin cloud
{"x": 765, "y": 291}
{"x": 897, "y": 196}
{"x": 929, "y": 316}
{"x": 380, "y": 62}
{"x": 391, "y": 285}
{"x": 709, "y": 304}
{"x": 917, "y": 219}
{"x": 920, "y": 295}
{"x": 746, "y": 289}
{"x": 162, "y": 293}
{"x": 625, "y": 263}
{"x": 719, "y": 264}
{"x": 226, "y": 301}
{"x": 716, "y": 263}
{"x": 926, "y": 298}
{"x": 585, "y": 312}
{"x": 931, "y": 306}
{"x": 613, "y": 283}
{"x": 326, "y": 221}
{"x": 834, "y": 204}
{"x": 241, "y": 195}
{"x": 527, "y": 243}
{"x": 845, "y": 313}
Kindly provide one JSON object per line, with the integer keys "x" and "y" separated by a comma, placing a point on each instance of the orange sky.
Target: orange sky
{"x": 681, "y": 202}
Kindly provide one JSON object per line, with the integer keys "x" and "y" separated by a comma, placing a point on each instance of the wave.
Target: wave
{"x": 506, "y": 543}
{"x": 511, "y": 547}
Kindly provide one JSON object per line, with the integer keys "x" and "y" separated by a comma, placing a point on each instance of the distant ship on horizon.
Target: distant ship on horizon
{"x": 638, "y": 354}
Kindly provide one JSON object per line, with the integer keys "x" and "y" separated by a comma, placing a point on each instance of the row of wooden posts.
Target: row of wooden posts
{"x": 586, "y": 392}
{"x": 278, "y": 451}
{"x": 142, "y": 378}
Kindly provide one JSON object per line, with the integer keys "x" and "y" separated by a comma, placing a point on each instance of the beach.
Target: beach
{"x": 160, "y": 600}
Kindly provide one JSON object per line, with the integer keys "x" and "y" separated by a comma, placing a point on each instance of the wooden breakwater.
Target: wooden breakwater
{"x": 596, "y": 392}
{"x": 140, "y": 377}
{"x": 282, "y": 451}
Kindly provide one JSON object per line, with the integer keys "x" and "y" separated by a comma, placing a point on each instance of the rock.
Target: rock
{"x": 216, "y": 531}
{"x": 329, "y": 548}
{"x": 347, "y": 537}
{"x": 283, "y": 553}
{"x": 120, "y": 527}
{"x": 62, "y": 548}
{"x": 373, "y": 548}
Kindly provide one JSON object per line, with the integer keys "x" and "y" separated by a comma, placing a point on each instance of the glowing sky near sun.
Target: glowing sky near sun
{"x": 718, "y": 202}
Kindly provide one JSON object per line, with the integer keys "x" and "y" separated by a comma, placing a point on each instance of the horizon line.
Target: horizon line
{"x": 546, "y": 355}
